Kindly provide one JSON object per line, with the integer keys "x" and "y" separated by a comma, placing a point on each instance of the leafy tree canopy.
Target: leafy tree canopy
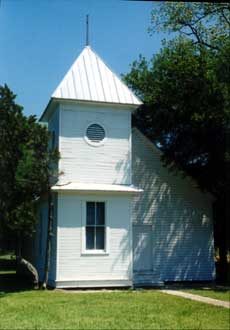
{"x": 186, "y": 109}
{"x": 186, "y": 89}
{"x": 24, "y": 165}
{"x": 205, "y": 23}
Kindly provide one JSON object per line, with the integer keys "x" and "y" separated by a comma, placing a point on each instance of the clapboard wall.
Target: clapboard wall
{"x": 41, "y": 238}
{"x": 77, "y": 267}
{"x": 40, "y": 241}
{"x": 81, "y": 162}
{"x": 172, "y": 221}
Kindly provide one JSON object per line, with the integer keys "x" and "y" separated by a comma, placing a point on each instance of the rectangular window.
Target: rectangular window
{"x": 95, "y": 225}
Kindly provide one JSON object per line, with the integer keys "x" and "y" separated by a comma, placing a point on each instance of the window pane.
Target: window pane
{"x": 90, "y": 238}
{"x": 100, "y": 218}
{"x": 90, "y": 213}
{"x": 100, "y": 238}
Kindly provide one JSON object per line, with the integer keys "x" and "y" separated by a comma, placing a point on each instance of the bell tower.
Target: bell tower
{"x": 90, "y": 112}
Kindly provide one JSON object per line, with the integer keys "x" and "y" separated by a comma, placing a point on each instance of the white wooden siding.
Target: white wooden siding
{"x": 53, "y": 125}
{"x": 108, "y": 163}
{"x": 180, "y": 218}
{"x": 40, "y": 240}
{"x": 142, "y": 251}
{"x": 53, "y": 253}
{"x": 75, "y": 266}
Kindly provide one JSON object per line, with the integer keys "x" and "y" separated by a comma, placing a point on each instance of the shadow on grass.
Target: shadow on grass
{"x": 226, "y": 273}
{"x": 11, "y": 282}
{"x": 7, "y": 263}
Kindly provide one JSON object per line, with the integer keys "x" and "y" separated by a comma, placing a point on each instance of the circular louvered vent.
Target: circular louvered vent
{"x": 95, "y": 133}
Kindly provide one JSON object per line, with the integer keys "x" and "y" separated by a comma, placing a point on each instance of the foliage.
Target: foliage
{"x": 145, "y": 309}
{"x": 186, "y": 89}
{"x": 186, "y": 110}
{"x": 205, "y": 23}
{"x": 24, "y": 165}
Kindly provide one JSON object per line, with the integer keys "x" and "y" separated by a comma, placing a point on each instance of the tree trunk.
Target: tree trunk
{"x": 48, "y": 241}
{"x": 28, "y": 271}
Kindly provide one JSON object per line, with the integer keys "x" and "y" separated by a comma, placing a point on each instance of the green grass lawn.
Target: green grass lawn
{"x": 21, "y": 308}
{"x": 215, "y": 293}
{"x": 147, "y": 309}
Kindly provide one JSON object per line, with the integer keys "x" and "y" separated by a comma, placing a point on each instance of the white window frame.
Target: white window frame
{"x": 106, "y": 228}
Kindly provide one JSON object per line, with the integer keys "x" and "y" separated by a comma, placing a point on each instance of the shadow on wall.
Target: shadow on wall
{"x": 172, "y": 229}
{"x": 123, "y": 258}
{"x": 110, "y": 163}
{"x": 123, "y": 167}
{"x": 172, "y": 226}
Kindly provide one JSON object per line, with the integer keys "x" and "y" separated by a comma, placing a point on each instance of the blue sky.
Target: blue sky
{"x": 41, "y": 39}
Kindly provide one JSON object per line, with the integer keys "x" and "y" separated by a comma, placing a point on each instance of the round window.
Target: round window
{"x": 95, "y": 133}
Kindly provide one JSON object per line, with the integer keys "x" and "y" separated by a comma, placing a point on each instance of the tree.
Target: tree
{"x": 185, "y": 89}
{"x": 204, "y": 23}
{"x": 25, "y": 167}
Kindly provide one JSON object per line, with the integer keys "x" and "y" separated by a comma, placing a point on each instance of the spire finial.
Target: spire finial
{"x": 87, "y": 30}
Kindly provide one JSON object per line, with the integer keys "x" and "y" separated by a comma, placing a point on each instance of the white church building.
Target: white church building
{"x": 120, "y": 218}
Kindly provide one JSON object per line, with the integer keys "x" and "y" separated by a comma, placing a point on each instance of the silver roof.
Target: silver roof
{"x": 90, "y": 79}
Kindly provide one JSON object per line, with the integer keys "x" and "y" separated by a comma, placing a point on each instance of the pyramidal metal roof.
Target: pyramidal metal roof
{"x": 90, "y": 79}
